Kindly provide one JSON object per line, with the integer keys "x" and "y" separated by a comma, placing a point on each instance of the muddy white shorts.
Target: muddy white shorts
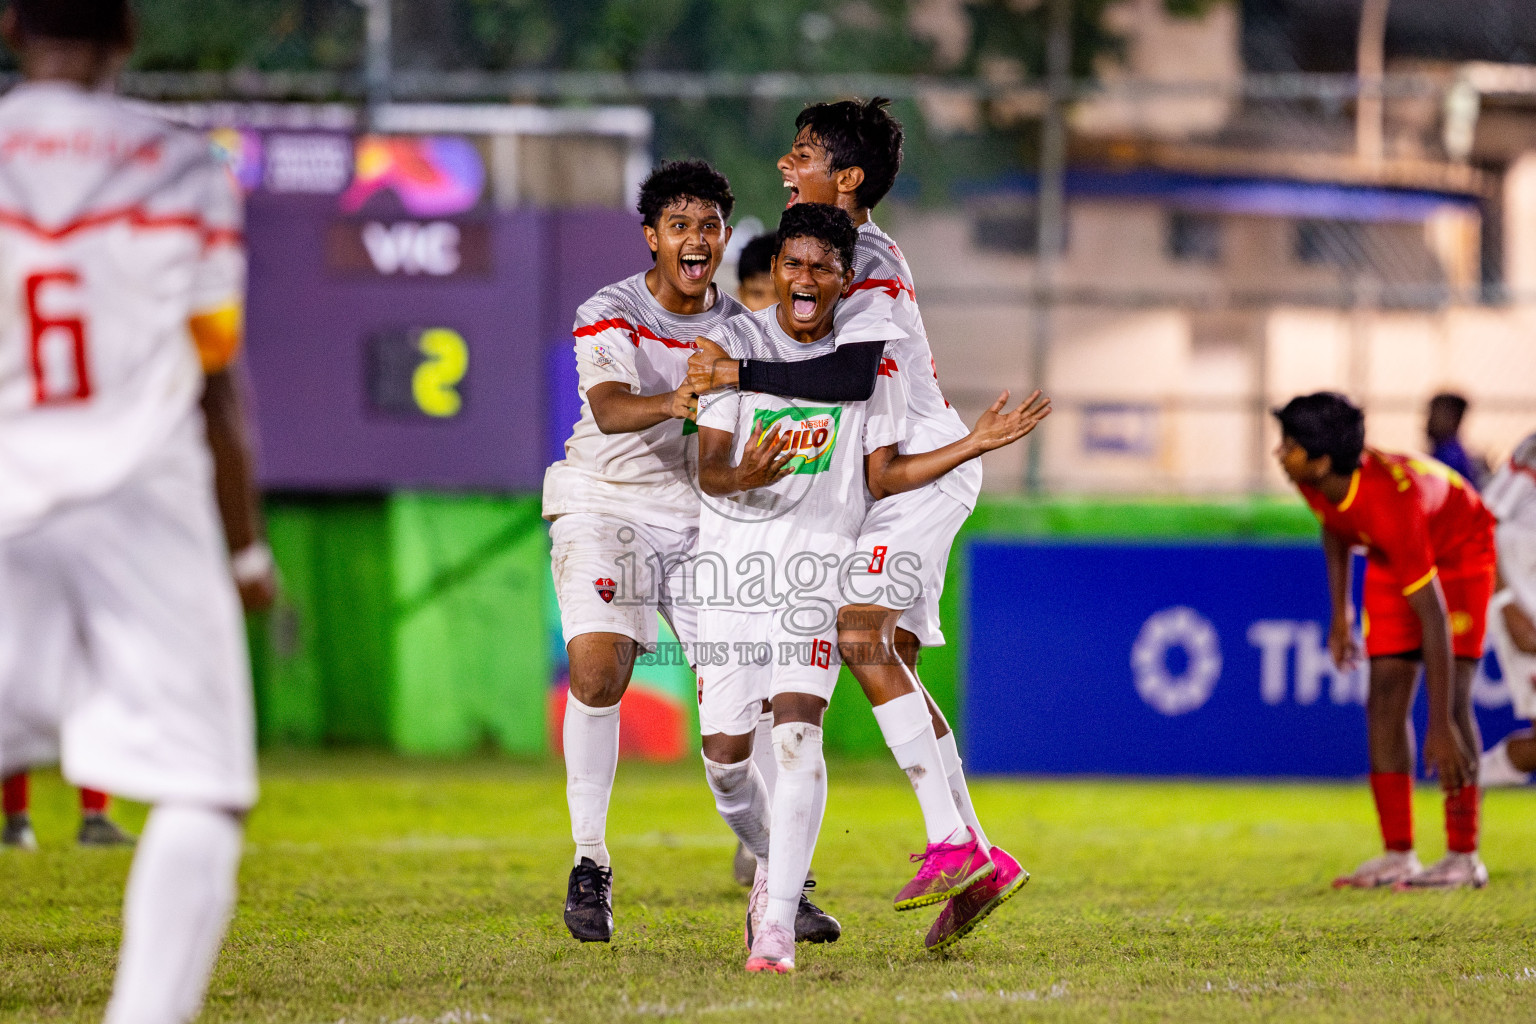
{"x": 1519, "y": 668}
{"x": 613, "y": 575}
{"x": 747, "y": 657}
{"x": 122, "y": 645}
{"x": 905, "y": 545}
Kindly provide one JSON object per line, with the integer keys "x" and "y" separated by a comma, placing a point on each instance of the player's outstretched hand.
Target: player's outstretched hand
{"x": 996, "y": 428}
{"x": 684, "y": 403}
{"x": 1342, "y": 645}
{"x": 766, "y": 460}
{"x": 1445, "y": 755}
{"x": 711, "y": 367}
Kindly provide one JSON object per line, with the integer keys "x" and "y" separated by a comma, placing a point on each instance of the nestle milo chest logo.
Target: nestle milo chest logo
{"x": 812, "y": 434}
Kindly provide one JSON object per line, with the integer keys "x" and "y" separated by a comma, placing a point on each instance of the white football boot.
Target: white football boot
{"x": 757, "y": 905}
{"x": 1453, "y": 871}
{"x": 773, "y": 952}
{"x": 1388, "y": 869}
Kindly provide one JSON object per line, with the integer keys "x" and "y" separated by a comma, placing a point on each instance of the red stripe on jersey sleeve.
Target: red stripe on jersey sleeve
{"x": 635, "y": 333}
{"x": 892, "y": 286}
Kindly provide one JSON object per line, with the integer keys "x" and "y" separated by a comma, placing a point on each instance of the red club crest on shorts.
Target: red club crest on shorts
{"x": 605, "y": 589}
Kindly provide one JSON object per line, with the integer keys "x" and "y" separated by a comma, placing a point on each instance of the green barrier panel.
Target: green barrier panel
{"x": 290, "y": 705}
{"x": 413, "y": 621}
{"x": 471, "y": 658}
{"x": 352, "y": 618}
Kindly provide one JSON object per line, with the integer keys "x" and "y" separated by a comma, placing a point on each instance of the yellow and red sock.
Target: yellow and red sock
{"x": 1461, "y": 810}
{"x": 1394, "y": 808}
{"x": 15, "y": 794}
{"x": 93, "y": 801}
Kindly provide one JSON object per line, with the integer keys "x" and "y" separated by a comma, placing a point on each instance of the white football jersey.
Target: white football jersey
{"x": 115, "y": 229}
{"x": 623, "y": 334}
{"x": 882, "y": 287}
{"x": 820, "y": 506}
{"x": 1511, "y": 494}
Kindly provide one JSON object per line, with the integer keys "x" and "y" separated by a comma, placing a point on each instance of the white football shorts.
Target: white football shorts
{"x": 904, "y": 550}
{"x": 747, "y": 657}
{"x": 613, "y": 575}
{"x": 1519, "y": 668}
{"x": 122, "y": 645}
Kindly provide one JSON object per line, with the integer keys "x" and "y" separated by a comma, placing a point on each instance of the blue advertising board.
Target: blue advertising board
{"x": 1164, "y": 659}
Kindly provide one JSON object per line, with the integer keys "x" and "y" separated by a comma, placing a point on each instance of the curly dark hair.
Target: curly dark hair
{"x": 677, "y": 180}
{"x": 822, "y": 221}
{"x": 96, "y": 21}
{"x": 757, "y": 257}
{"x": 1326, "y": 423}
{"x": 862, "y": 135}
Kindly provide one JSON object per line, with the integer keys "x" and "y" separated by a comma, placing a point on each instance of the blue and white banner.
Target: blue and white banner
{"x": 1167, "y": 659}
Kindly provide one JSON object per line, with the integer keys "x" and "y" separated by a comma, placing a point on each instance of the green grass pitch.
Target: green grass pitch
{"x": 380, "y": 890}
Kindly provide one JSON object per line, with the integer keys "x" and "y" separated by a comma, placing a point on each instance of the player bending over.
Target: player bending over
{"x": 848, "y": 154}
{"x": 1511, "y": 497}
{"x": 121, "y": 237}
{"x": 1430, "y": 557}
{"x": 624, "y": 508}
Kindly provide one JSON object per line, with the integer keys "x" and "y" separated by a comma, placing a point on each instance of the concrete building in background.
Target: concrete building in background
{"x": 1226, "y": 249}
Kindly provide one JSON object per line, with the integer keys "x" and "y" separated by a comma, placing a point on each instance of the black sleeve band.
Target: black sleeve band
{"x": 845, "y": 375}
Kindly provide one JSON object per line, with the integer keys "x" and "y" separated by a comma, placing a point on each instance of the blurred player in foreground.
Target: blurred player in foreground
{"x": 1511, "y": 497}
{"x": 848, "y": 154}
{"x": 1429, "y": 545}
{"x": 122, "y": 259}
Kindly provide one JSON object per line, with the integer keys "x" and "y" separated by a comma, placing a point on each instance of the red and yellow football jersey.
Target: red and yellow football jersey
{"x": 1415, "y": 517}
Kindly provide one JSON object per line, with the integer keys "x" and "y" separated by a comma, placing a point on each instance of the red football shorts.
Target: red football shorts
{"x": 1392, "y": 627}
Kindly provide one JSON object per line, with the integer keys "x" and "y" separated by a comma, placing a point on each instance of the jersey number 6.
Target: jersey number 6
{"x": 59, "y": 370}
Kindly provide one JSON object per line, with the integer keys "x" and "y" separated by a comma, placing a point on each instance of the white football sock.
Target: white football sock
{"x": 762, "y": 752}
{"x": 181, "y": 890}
{"x": 908, "y": 731}
{"x": 798, "y": 804}
{"x": 591, "y": 758}
{"x": 949, "y": 754}
{"x": 742, "y": 800}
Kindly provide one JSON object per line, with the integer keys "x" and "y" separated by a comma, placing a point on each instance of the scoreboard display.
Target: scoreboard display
{"x": 400, "y": 324}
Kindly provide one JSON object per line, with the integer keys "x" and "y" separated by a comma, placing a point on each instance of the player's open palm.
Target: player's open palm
{"x": 996, "y": 428}
{"x": 766, "y": 460}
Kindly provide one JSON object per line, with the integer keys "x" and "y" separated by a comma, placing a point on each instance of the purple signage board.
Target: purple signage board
{"x": 399, "y": 327}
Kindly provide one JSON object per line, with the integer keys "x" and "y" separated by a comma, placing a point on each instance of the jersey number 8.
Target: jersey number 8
{"x": 59, "y": 370}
